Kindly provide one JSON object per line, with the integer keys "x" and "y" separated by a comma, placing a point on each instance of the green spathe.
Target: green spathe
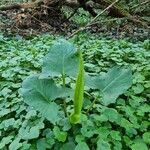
{"x": 78, "y": 94}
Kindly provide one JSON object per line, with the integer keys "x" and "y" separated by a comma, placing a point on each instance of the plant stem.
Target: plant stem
{"x": 64, "y": 101}
{"x": 91, "y": 106}
{"x": 65, "y": 108}
{"x": 63, "y": 79}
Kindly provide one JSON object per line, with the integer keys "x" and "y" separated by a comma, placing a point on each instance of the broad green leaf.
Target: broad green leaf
{"x": 50, "y": 140}
{"x": 31, "y": 129}
{"x": 112, "y": 115}
{"x": 61, "y": 59}
{"x": 82, "y": 146}
{"x": 117, "y": 145}
{"x": 138, "y": 89}
{"x": 25, "y": 145}
{"x": 4, "y": 141}
{"x": 146, "y": 137}
{"x": 39, "y": 94}
{"x": 79, "y": 138}
{"x": 8, "y": 123}
{"x": 139, "y": 146}
{"x": 29, "y": 133}
{"x": 60, "y": 135}
{"x": 100, "y": 118}
{"x": 114, "y": 83}
{"x": 103, "y": 132}
{"x": 41, "y": 144}
{"x": 103, "y": 145}
{"x": 4, "y": 112}
{"x": 15, "y": 144}
{"x": 68, "y": 146}
{"x": 115, "y": 135}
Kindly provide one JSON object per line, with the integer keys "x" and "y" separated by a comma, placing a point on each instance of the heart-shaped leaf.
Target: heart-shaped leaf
{"x": 39, "y": 94}
{"x": 114, "y": 83}
{"x": 61, "y": 59}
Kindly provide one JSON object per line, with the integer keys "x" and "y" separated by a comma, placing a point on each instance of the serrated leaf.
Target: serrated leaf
{"x": 62, "y": 58}
{"x": 82, "y": 146}
{"x": 39, "y": 94}
{"x": 114, "y": 83}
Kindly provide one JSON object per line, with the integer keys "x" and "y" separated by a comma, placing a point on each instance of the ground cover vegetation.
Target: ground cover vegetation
{"x": 38, "y": 87}
{"x": 74, "y": 75}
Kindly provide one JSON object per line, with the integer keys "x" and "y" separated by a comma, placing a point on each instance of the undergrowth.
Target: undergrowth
{"x": 122, "y": 125}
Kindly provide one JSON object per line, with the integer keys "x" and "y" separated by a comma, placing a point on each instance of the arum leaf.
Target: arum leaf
{"x": 62, "y": 58}
{"x": 114, "y": 83}
{"x": 39, "y": 94}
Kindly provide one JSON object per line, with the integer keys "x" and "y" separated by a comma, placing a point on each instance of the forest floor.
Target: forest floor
{"x": 24, "y": 42}
{"x": 35, "y": 22}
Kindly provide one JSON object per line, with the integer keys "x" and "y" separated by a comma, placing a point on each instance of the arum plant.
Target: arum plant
{"x": 78, "y": 93}
{"x": 44, "y": 93}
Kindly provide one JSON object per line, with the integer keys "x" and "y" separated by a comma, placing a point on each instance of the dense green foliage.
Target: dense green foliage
{"x": 42, "y": 91}
{"x": 121, "y": 125}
